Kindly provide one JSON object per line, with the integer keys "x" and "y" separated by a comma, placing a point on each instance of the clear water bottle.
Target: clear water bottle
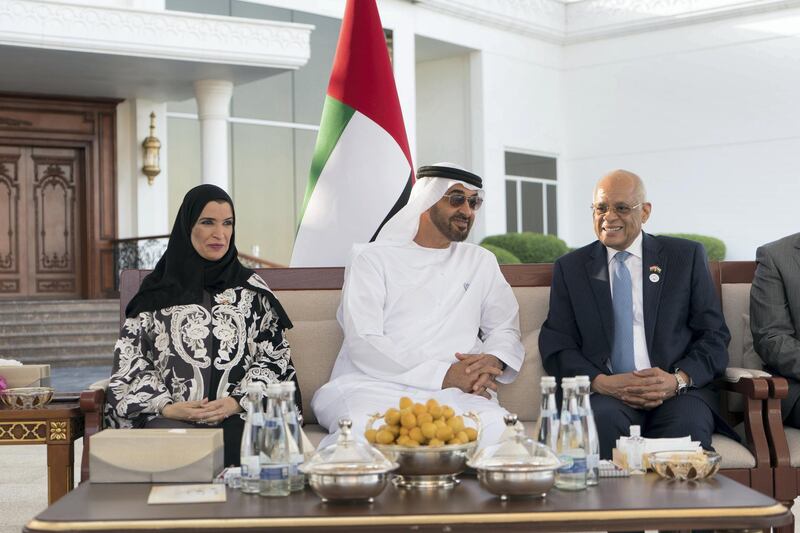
{"x": 591, "y": 440}
{"x": 570, "y": 446}
{"x": 297, "y": 480}
{"x": 251, "y": 441}
{"x": 547, "y": 427}
{"x": 275, "y": 447}
{"x": 635, "y": 451}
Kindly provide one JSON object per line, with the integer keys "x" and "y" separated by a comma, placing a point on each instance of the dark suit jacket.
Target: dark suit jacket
{"x": 683, "y": 321}
{"x": 775, "y": 311}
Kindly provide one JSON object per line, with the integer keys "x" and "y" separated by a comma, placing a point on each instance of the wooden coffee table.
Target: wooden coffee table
{"x": 56, "y": 425}
{"x": 636, "y": 503}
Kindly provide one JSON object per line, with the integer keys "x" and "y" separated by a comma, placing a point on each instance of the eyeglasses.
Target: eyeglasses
{"x": 621, "y": 209}
{"x": 457, "y": 200}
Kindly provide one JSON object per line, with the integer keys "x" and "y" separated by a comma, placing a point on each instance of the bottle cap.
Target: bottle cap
{"x": 287, "y": 386}
{"x": 254, "y": 388}
{"x": 582, "y": 380}
{"x": 636, "y": 431}
{"x": 273, "y": 389}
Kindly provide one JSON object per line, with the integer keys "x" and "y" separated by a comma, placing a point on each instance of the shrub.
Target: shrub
{"x": 715, "y": 248}
{"x": 504, "y": 257}
{"x": 530, "y": 247}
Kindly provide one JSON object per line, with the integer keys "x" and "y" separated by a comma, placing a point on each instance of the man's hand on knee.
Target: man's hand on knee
{"x": 642, "y": 389}
{"x": 473, "y": 373}
{"x": 458, "y": 377}
{"x": 487, "y": 367}
{"x": 661, "y": 385}
{"x": 639, "y": 392}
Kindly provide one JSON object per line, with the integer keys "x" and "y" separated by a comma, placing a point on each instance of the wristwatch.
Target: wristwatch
{"x": 681, "y": 386}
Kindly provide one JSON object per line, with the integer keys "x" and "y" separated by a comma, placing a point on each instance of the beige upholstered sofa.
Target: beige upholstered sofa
{"x": 311, "y": 297}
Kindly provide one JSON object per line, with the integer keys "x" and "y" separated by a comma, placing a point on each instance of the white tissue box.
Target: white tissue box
{"x": 155, "y": 455}
{"x": 24, "y": 375}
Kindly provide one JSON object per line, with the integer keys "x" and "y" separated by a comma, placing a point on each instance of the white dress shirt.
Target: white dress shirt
{"x": 641, "y": 357}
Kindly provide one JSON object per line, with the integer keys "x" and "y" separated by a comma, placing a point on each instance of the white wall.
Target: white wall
{"x": 141, "y": 207}
{"x": 443, "y": 111}
{"x": 706, "y": 114}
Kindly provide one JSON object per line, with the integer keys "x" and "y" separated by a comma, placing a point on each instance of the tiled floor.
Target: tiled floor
{"x": 23, "y": 485}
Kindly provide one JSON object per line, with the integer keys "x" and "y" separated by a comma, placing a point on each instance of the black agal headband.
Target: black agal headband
{"x": 450, "y": 173}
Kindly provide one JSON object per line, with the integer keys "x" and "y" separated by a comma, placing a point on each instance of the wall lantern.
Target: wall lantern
{"x": 151, "y": 146}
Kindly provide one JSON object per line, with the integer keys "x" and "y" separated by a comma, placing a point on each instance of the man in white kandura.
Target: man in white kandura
{"x": 424, "y": 314}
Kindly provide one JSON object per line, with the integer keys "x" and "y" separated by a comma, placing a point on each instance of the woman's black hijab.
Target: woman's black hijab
{"x": 181, "y": 275}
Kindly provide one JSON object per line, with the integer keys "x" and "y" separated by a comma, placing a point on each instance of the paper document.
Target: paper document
{"x": 196, "y": 493}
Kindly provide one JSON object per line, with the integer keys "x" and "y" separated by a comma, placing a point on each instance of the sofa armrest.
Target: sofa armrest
{"x": 734, "y": 374}
{"x": 755, "y": 392}
{"x": 92, "y": 404}
{"x": 785, "y": 476}
{"x": 779, "y": 447}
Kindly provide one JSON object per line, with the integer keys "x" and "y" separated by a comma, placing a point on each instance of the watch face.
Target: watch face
{"x": 682, "y": 385}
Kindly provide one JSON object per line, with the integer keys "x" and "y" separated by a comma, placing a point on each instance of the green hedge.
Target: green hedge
{"x": 715, "y": 248}
{"x": 504, "y": 257}
{"x": 529, "y": 247}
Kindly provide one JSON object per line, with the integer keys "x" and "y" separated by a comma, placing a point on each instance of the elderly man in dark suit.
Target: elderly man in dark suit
{"x": 639, "y": 315}
{"x": 775, "y": 316}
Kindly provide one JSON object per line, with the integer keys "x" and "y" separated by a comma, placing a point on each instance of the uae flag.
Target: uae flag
{"x": 361, "y": 173}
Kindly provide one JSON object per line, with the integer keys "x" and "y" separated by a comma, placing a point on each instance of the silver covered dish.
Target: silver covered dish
{"x": 517, "y": 465}
{"x": 349, "y": 470}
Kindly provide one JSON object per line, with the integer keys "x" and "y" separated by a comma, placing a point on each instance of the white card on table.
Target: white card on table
{"x": 196, "y": 493}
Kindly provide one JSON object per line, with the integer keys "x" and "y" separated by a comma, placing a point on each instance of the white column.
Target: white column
{"x": 213, "y": 110}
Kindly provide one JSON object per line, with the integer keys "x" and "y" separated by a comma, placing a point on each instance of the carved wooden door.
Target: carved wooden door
{"x": 41, "y": 249}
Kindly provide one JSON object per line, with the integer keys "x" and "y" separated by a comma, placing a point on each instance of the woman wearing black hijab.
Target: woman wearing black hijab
{"x": 201, "y": 328}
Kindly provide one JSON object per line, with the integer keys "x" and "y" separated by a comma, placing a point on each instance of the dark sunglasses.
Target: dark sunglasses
{"x": 457, "y": 200}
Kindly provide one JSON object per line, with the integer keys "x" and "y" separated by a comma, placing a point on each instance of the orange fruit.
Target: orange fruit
{"x": 392, "y": 417}
{"x": 472, "y": 434}
{"x": 408, "y": 420}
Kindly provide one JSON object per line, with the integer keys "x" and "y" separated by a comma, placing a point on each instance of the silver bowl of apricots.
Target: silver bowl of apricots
{"x": 429, "y": 442}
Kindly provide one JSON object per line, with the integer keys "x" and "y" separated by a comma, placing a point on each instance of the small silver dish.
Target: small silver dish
{"x": 348, "y": 483}
{"x": 348, "y": 470}
{"x": 518, "y": 480}
{"x": 26, "y": 397}
{"x": 517, "y": 466}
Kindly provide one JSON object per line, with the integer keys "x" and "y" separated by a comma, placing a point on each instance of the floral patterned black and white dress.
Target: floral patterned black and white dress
{"x": 190, "y": 352}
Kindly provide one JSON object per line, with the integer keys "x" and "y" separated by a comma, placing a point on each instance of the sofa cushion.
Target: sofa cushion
{"x": 750, "y": 359}
{"x": 315, "y": 345}
{"x": 735, "y": 303}
{"x": 534, "y": 303}
{"x": 523, "y": 395}
{"x": 315, "y": 433}
{"x": 734, "y": 455}
{"x": 312, "y": 304}
{"x": 315, "y": 339}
